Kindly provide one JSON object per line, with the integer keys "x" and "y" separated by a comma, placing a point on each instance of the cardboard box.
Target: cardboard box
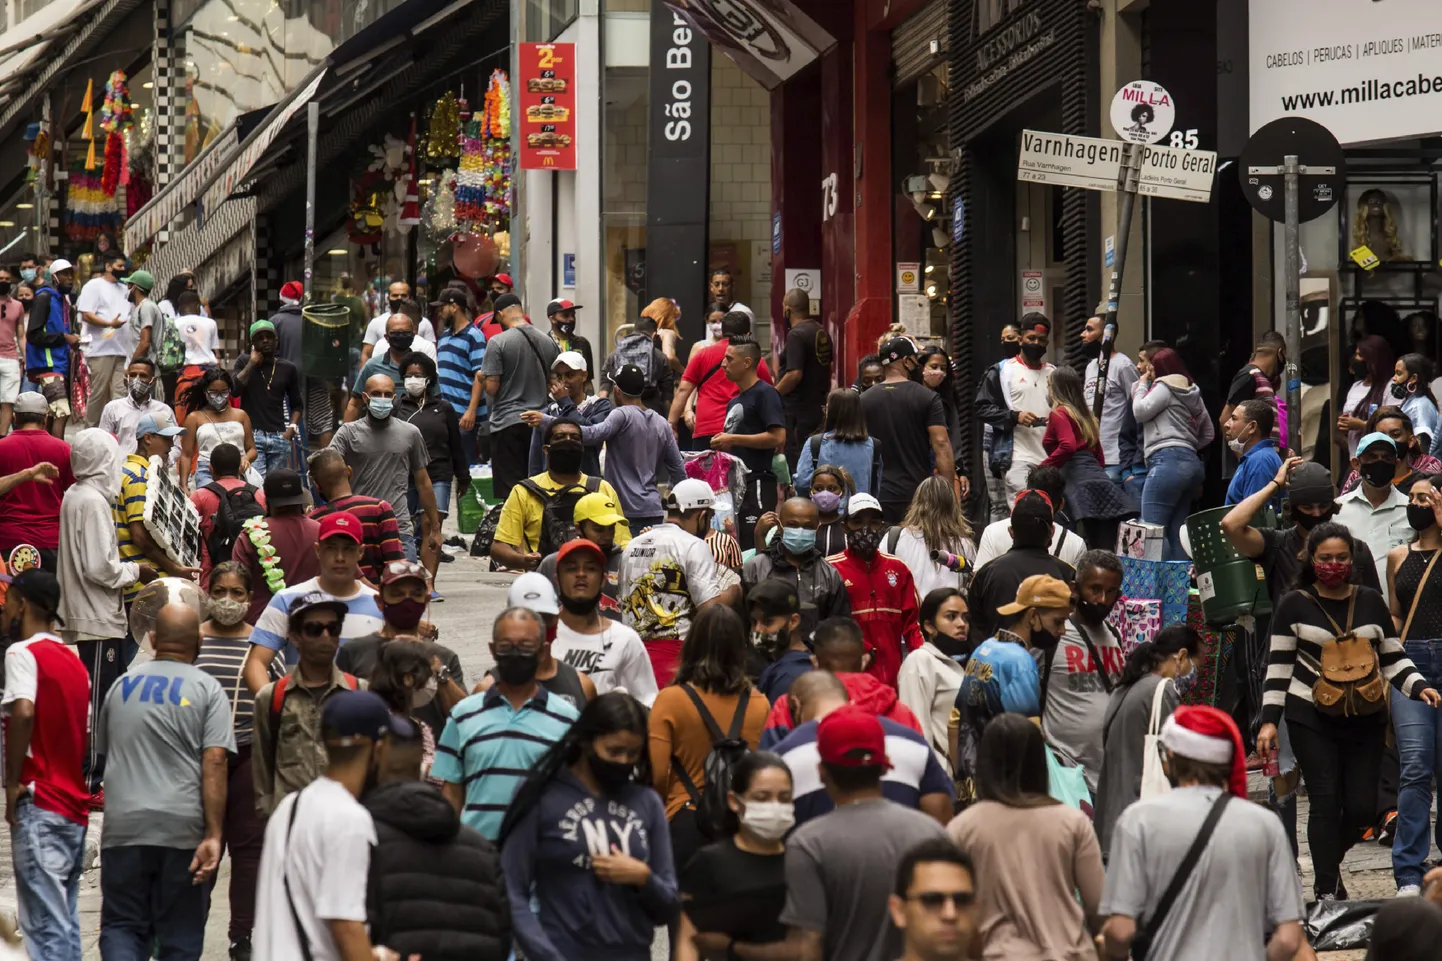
{"x": 1139, "y": 540}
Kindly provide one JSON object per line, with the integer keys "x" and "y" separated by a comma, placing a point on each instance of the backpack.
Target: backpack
{"x": 170, "y": 348}
{"x": 558, "y": 512}
{"x": 727, "y": 750}
{"x": 236, "y": 507}
{"x": 1349, "y": 682}
{"x": 486, "y": 531}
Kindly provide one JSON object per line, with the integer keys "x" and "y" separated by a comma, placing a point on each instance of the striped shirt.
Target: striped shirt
{"x": 380, "y": 532}
{"x": 223, "y": 659}
{"x": 458, "y": 360}
{"x": 489, "y": 747}
{"x": 129, "y": 508}
{"x": 362, "y": 617}
{"x": 1300, "y": 629}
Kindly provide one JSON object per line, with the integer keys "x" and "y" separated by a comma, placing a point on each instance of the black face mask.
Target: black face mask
{"x": 611, "y": 775}
{"x": 1378, "y": 473}
{"x": 1092, "y": 349}
{"x": 564, "y": 456}
{"x": 864, "y": 542}
{"x": 4, "y": 288}
{"x": 1420, "y": 517}
{"x": 400, "y": 339}
{"x": 580, "y": 605}
{"x": 1033, "y": 352}
{"x": 565, "y": 329}
{"x": 1092, "y": 612}
{"x": 1358, "y": 368}
{"x": 1399, "y": 391}
{"x": 951, "y": 646}
{"x": 395, "y": 306}
{"x": 517, "y": 667}
{"x": 1308, "y": 521}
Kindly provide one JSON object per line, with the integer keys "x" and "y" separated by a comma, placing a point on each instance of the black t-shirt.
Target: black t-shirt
{"x": 440, "y": 429}
{"x": 741, "y": 894}
{"x": 995, "y": 585}
{"x": 1243, "y": 386}
{"x": 898, "y": 416}
{"x": 1280, "y": 562}
{"x": 755, "y": 411}
{"x": 809, "y": 350}
{"x": 264, "y": 397}
{"x": 360, "y": 655}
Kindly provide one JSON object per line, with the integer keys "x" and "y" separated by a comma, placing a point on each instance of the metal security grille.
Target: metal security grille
{"x": 911, "y": 42}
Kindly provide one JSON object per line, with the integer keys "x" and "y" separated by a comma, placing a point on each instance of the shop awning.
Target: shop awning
{"x": 194, "y": 247}
{"x": 22, "y": 80}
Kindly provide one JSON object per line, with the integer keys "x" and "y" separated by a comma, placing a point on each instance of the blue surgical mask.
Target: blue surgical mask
{"x": 27, "y": 274}
{"x": 380, "y": 407}
{"x": 798, "y": 540}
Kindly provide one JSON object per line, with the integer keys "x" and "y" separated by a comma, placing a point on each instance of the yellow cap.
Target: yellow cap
{"x": 599, "y": 509}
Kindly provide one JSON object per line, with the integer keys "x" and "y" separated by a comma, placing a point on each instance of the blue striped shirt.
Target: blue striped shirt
{"x": 458, "y": 358}
{"x": 489, "y": 748}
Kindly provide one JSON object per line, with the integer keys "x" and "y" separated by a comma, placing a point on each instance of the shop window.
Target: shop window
{"x": 623, "y": 197}
{"x": 545, "y": 19}
{"x": 921, "y": 215}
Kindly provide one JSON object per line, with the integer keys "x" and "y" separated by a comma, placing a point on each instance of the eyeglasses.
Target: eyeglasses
{"x": 317, "y": 628}
{"x": 935, "y": 900}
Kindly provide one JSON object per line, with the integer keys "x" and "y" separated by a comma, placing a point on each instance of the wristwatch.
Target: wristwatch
{"x": 443, "y": 676}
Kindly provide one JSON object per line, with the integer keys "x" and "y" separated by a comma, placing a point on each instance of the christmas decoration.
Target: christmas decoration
{"x": 115, "y": 163}
{"x": 497, "y": 122}
{"x": 367, "y": 216}
{"x": 439, "y": 215}
{"x": 89, "y": 210}
{"x": 441, "y": 135}
{"x": 407, "y": 189}
{"x": 471, "y": 177}
{"x": 87, "y": 107}
{"x": 388, "y": 159}
{"x": 474, "y": 256}
{"x": 483, "y": 183}
{"x": 117, "y": 114}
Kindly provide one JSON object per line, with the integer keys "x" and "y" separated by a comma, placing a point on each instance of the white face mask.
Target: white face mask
{"x": 415, "y": 386}
{"x": 768, "y": 820}
{"x": 713, "y": 331}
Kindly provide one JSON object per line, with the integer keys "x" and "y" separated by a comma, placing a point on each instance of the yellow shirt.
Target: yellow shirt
{"x": 520, "y": 524}
{"x": 129, "y": 508}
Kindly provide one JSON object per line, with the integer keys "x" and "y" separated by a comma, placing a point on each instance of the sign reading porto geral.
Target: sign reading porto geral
{"x": 545, "y": 97}
{"x": 770, "y": 39}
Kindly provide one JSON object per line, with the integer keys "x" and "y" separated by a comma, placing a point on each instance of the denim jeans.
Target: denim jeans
{"x": 1419, "y": 746}
{"x": 272, "y": 451}
{"x": 1174, "y": 480}
{"x": 148, "y": 900}
{"x": 442, "y": 491}
{"x": 49, "y": 853}
{"x": 408, "y": 544}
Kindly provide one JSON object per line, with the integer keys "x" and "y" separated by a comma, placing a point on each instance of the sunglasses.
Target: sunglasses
{"x": 317, "y": 628}
{"x": 935, "y": 900}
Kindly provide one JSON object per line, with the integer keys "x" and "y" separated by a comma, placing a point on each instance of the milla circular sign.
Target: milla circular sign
{"x": 1143, "y": 112}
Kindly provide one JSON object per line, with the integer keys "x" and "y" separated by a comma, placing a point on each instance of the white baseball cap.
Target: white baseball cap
{"x": 59, "y": 264}
{"x": 690, "y": 495}
{"x": 862, "y": 502}
{"x": 572, "y": 359}
{"x": 533, "y": 591}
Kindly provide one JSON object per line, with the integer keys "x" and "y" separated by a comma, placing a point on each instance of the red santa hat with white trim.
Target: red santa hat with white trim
{"x": 1208, "y": 735}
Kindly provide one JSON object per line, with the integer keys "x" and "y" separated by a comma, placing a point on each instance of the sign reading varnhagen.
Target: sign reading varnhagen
{"x": 1367, "y": 70}
{"x": 1095, "y": 164}
{"x": 771, "y": 40}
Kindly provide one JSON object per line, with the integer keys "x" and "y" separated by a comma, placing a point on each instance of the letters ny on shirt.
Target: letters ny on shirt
{"x": 616, "y": 826}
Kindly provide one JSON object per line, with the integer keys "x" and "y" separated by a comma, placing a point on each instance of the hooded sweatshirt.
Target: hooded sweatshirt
{"x": 92, "y": 576}
{"x": 547, "y": 857}
{"x": 1172, "y": 414}
{"x": 435, "y": 886}
{"x": 863, "y": 690}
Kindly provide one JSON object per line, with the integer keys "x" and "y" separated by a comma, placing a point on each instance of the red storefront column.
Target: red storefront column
{"x": 795, "y": 179}
{"x": 871, "y": 311}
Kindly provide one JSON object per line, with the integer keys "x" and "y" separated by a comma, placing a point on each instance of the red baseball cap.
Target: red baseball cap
{"x": 560, "y": 304}
{"x": 340, "y": 524}
{"x": 850, "y": 737}
{"x": 579, "y": 544}
{"x": 506, "y": 279}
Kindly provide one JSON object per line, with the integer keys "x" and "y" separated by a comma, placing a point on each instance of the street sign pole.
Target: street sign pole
{"x": 1127, "y": 186}
{"x": 1292, "y": 173}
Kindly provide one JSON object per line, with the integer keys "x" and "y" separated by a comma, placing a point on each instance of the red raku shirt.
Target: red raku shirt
{"x": 45, "y": 671}
{"x": 1062, "y": 440}
{"x": 713, "y": 396}
{"x": 30, "y": 514}
{"x": 884, "y": 604}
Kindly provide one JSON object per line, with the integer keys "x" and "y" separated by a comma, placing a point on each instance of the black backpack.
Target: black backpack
{"x": 727, "y": 750}
{"x": 558, "y": 513}
{"x": 236, "y": 507}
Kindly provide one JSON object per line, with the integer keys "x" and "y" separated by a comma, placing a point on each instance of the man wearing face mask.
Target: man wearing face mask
{"x": 387, "y": 457}
{"x": 568, "y": 390}
{"x": 1249, "y": 436}
{"x": 538, "y": 595}
{"x": 607, "y": 652}
{"x": 154, "y": 437}
{"x": 48, "y": 342}
{"x": 1013, "y": 400}
{"x": 267, "y": 384}
{"x": 562, "y": 315}
{"x": 882, "y": 593}
{"x": 401, "y": 340}
{"x": 908, "y": 421}
{"x": 122, "y": 414}
{"x": 105, "y": 309}
{"x": 1030, "y": 554}
{"x": 1411, "y": 459}
{"x": 504, "y": 730}
{"x": 1120, "y": 434}
{"x": 1376, "y": 512}
{"x": 460, "y": 355}
{"x": 713, "y": 390}
{"x": 518, "y": 372}
{"x": 995, "y": 443}
{"x": 377, "y": 330}
{"x": 793, "y": 558}
{"x": 598, "y": 519}
{"x": 777, "y": 636}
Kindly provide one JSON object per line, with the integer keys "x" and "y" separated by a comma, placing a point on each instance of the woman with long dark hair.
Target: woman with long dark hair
{"x": 1373, "y": 364}
{"x": 1073, "y": 445}
{"x": 1175, "y": 425}
{"x": 405, "y": 680}
{"x": 585, "y": 838}
{"x": 708, "y": 697}
{"x": 1036, "y": 854}
{"x": 179, "y": 284}
{"x": 1156, "y": 675}
{"x": 933, "y": 370}
{"x": 843, "y": 441}
{"x": 213, "y": 422}
{"x": 930, "y": 677}
{"x": 1332, "y": 627}
{"x": 732, "y": 891}
{"x": 1411, "y": 387}
{"x": 419, "y": 403}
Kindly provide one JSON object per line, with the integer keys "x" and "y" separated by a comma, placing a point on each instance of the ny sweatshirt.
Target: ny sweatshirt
{"x": 560, "y": 909}
{"x": 92, "y": 576}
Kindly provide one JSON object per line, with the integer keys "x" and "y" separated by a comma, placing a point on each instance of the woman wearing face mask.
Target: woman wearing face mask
{"x": 1373, "y": 365}
{"x": 934, "y": 524}
{"x": 585, "y": 838}
{"x": 224, "y": 643}
{"x": 1073, "y": 446}
{"x": 931, "y": 675}
{"x": 732, "y": 891}
{"x": 214, "y": 422}
{"x": 933, "y": 370}
{"x": 25, "y": 292}
{"x": 1338, "y": 729}
{"x": 1416, "y": 601}
{"x": 830, "y": 487}
{"x": 1411, "y": 389}
{"x": 1040, "y": 858}
{"x": 419, "y": 403}
{"x": 1157, "y": 673}
{"x": 844, "y": 441}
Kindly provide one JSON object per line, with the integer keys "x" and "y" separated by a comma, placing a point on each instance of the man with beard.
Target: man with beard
{"x": 793, "y": 557}
{"x": 267, "y": 383}
{"x": 1078, "y": 675}
{"x": 882, "y": 593}
{"x": 597, "y": 518}
{"x": 1121, "y": 437}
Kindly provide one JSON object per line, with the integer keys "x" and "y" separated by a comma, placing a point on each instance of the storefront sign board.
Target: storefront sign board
{"x": 545, "y": 93}
{"x": 772, "y": 40}
{"x": 1033, "y": 292}
{"x": 1366, "y": 71}
{"x": 1094, "y": 164}
{"x": 1143, "y": 112}
{"x": 908, "y": 278}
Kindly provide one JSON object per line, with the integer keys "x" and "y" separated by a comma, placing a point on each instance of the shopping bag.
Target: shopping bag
{"x": 1154, "y": 776}
{"x": 1068, "y": 784}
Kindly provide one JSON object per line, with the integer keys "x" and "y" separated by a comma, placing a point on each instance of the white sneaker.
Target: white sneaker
{"x": 1409, "y": 891}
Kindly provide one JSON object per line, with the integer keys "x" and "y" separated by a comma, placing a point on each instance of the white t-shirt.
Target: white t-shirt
{"x": 202, "y": 339}
{"x": 376, "y": 331}
{"x": 106, "y": 300}
{"x": 925, "y": 572}
{"x": 1355, "y": 395}
{"x": 996, "y": 541}
{"x": 666, "y": 574}
{"x": 1026, "y": 389}
{"x": 22, "y": 675}
{"x": 614, "y": 659}
{"x": 327, "y": 860}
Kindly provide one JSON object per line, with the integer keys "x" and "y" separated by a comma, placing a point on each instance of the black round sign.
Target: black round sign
{"x": 1314, "y": 146}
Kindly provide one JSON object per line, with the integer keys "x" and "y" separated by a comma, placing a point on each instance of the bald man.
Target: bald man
{"x": 807, "y": 365}
{"x": 396, "y": 296}
{"x": 793, "y": 557}
{"x": 165, "y": 731}
{"x": 387, "y": 457}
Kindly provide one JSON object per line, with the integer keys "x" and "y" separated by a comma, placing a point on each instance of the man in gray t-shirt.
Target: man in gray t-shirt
{"x": 517, "y": 370}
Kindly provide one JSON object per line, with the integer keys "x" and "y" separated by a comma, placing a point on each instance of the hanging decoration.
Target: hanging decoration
{"x": 439, "y": 215}
{"x": 89, "y": 210}
{"x": 117, "y": 113}
{"x": 368, "y": 196}
{"x": 443, "y": 132}
{"x": 407, "y": 190}
{"x": 483, "y": 184}
{"x": 87, "y": 133}
{"x": 115, "y": 163}
{"x": 497, "y": 122}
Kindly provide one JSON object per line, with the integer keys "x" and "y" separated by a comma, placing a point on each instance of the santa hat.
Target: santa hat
{"x": 1208, "y": 735}
{"x": 292, "y": 292}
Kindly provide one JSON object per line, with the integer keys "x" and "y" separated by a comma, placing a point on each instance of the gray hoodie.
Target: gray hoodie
{"x": 92, "y": 576}
{"x": 1171, "y": 413}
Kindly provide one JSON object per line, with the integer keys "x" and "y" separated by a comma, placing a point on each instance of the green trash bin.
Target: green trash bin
{"x": 474, "y": 503}
{"x": 1230, "y": 585}
{"x": 325, "y": 341}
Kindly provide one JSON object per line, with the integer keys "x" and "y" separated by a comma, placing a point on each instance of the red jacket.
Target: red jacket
{"x": 884, "y": 604}
{"x": 865, "y": 691}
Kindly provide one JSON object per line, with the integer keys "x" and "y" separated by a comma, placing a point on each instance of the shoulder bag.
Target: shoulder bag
{"x": 1154, "y": 777}
{"x": 1147, "y": 933}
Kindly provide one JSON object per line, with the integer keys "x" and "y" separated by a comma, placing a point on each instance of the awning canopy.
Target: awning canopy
{"x": 194, "y": 246}
{"x": 37, "y": 61}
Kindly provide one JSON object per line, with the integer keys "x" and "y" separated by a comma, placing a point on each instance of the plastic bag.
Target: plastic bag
{"x": 1067, "y": 784}
{"x": 1341, "y": 925}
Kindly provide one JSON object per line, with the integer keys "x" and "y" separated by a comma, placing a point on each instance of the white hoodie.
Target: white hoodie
{"x": 92, "y": 576}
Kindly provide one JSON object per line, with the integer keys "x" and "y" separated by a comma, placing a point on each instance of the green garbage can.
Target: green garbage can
{"x": 1229, "y": 584}
{"x": 325, "y": 340}
{"x": 473, "y": 504}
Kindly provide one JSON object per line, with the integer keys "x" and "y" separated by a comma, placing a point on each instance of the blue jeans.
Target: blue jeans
{"x": 408, "y": 544}
{"x": 49, "y": 852}
{"x": 442, "y": 491}
{"x": 148, "y": 900}
{"x": 272, "y": 451}
{"x": 1174, "y": 480}
{"x": 1419, "y": 747}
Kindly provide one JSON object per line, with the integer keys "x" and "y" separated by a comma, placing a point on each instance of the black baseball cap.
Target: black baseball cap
{"x": 283, "y": 488}
{"x": 774, "y": 597}
{"x": 507, "y": 300}
{"x": 316, "y": 601}
{"x": 630, "y": 381}
{"x": 451, "y": 297}
{"x": 349, "y": 716}
{"x": 1311, "y": 483}
{"x": 896, "y": 348}
{"x": 40, "y": 588}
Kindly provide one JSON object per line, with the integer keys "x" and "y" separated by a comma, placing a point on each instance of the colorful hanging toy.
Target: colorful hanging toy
{"x": 497, "y": 122}
{"x": 441, "y": 142}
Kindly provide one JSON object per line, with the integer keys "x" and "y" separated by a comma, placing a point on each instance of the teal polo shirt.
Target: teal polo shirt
{"x": 490, "y": 748}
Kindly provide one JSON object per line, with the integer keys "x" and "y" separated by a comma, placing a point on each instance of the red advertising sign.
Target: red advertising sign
{"x": 546, "y": 106}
